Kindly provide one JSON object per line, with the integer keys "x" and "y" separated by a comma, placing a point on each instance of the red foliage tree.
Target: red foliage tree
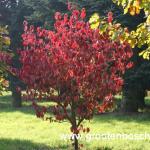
{"x": 74, "y": 66}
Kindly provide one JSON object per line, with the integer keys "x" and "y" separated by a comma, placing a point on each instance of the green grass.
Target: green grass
{"x": 21, "y": 130}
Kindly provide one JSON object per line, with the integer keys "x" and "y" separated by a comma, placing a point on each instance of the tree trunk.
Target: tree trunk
{"x": 16, "y": 102}
{"x": 74, "y": 125}
{"x": 76, "y": 147}
{"x": 15, "y": 30}
{"x": 129, "y": 102}
{"x": 16, "y": 95}
{"x": 141, "y": 102}
{"x": 132, "y": 100}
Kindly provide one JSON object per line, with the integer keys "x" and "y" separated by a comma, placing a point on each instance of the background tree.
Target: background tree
{"x": 42, "y": 11}
{"x": 134, "y": 91}
{"x": 8, "y": 17}
{"x": 5, "y": 58}
{"x": 13, "y": 13}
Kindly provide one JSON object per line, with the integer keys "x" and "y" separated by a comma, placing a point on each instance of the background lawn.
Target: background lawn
{"x": 21, "y": 130}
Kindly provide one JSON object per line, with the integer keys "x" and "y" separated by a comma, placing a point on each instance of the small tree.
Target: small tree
{"x": 74, "y": 66}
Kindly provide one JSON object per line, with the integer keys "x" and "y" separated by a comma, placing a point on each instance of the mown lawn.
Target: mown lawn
{"x": 21, "y": 130}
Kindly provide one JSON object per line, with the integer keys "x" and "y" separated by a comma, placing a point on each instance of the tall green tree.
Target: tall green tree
{"x": 137, "y": 80}
{"x": 8, "y": 18}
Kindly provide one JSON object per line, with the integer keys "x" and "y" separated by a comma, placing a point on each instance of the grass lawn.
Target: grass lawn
{"x": 21, "y": 130}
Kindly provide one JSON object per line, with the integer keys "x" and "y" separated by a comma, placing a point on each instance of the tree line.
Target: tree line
{"x": 41, "y": 13}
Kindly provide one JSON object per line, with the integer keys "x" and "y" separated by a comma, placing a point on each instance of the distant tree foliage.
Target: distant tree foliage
{"x": 5, "y": 58}
{"x": 142, "y": 33}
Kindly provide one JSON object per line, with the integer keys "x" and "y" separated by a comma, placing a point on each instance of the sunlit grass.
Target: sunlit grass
{"x": 21, "y": 130}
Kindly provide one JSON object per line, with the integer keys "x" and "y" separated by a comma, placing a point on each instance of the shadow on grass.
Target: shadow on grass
{"x": 141, "y": 118}
{"x": 5, "y": 101}
{"x": 5, "y": 106}
{"x": 15, "y": 144}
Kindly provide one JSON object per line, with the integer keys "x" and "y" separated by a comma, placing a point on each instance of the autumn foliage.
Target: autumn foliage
{"x": 140, "y": 37}
{"x": 5, "y": 59}
{"x": 74, "y": 66}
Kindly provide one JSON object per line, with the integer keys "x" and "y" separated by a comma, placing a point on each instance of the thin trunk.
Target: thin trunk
{"x": 76, "y": 147}
{"x": 74, "y": 125}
